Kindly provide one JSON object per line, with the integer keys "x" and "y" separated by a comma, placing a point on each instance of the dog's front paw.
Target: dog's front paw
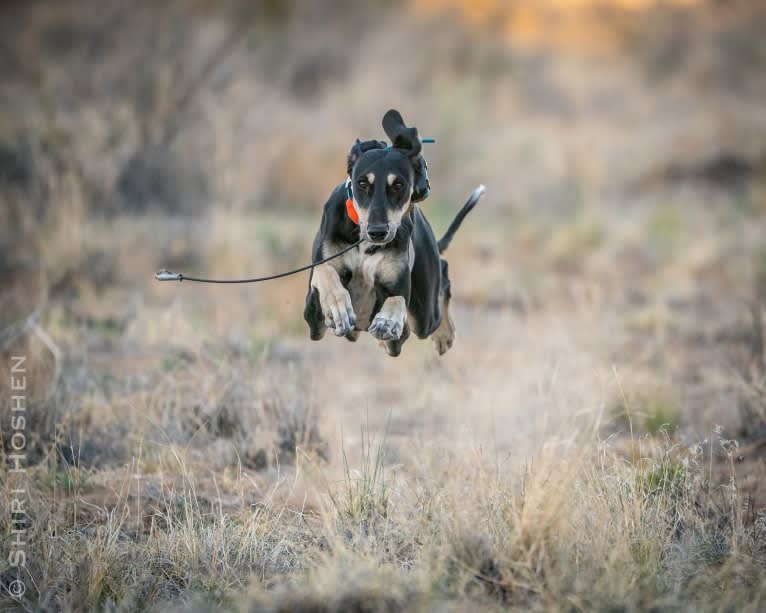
{"x": 385, "y": 328}
{"x": 338, "y": 312}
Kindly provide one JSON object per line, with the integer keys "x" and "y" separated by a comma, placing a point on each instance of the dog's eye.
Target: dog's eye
{"x": 397, "y": 186}
{"x": 362, "y": 183}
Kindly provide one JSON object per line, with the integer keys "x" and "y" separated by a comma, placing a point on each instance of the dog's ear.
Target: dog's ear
{"x": 408, "y": 141}
{"x": 358, "y": 148}
{"x": 422, "y": 187}
{"x": 403, "y": 138}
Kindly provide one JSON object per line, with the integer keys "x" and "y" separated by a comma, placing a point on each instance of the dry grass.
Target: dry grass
{"x": 579, "y": 527}
{"x": 594, "y": 441}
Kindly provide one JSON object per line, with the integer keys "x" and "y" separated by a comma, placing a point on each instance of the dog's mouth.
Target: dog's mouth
{"x": 378, "y": 242}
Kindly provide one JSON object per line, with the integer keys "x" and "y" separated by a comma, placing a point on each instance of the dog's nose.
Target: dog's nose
{"x": 377, "y": 232}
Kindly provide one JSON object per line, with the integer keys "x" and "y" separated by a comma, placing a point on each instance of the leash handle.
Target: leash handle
{"x": 167, "y": 275}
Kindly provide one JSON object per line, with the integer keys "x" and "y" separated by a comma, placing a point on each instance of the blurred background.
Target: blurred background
{"x": 617, "y": 264}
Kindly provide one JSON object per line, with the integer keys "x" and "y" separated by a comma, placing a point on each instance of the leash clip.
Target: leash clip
{"x": 166, "y": 275}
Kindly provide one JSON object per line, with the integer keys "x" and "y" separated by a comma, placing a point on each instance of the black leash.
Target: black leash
{"x": 166, "y": 275}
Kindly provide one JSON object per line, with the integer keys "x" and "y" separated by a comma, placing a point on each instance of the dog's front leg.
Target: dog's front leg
{"x": 392, "y": 285}
{"x": 334, "y": 300}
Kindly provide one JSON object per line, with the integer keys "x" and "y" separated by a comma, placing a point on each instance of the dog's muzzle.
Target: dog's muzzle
{"x": 380, "y": 233}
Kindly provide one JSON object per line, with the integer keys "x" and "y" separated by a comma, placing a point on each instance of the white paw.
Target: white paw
{"x": 338, "y": 311}
{"x": 386, "y": 328}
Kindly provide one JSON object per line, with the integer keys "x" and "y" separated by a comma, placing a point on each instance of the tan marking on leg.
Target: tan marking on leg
{"x": 334, "y": 299}
{"x": 388, "y": 324}
{"x": 444, "y": 335}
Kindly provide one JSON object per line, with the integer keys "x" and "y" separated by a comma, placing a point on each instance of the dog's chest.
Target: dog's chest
{"x": 367, "y": 269}
{"x": 364, "y": 269}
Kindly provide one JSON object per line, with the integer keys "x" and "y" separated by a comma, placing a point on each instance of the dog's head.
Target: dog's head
{"x": 386, "y": 180}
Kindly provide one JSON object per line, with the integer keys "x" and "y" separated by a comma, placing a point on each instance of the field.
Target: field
{"x": 594, "y": 441}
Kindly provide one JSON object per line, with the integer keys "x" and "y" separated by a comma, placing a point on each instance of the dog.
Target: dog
{"x": 395, "y": 281}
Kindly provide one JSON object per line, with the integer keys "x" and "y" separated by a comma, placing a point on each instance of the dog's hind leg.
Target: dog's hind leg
{"x": 313, "y": 315}
{"x": 444, "y": 335}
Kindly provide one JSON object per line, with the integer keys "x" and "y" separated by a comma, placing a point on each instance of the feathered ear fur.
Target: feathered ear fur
{"x": 422, "y": 187}
{"x": 358, "y": 148}
{"x": 402, "y": 138}
{"x": 408, "y": 142}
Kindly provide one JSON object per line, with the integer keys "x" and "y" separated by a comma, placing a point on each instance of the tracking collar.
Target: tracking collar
{"x": 350, "y": 209}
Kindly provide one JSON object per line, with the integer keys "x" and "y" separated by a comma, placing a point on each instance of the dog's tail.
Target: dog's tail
{"x": 455, "y": 225}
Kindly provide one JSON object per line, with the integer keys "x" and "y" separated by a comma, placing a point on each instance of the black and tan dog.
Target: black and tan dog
{"x": 394, "y": 281}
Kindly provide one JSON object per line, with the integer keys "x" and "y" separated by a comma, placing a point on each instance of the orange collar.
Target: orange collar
{"x": 350, "y": 209}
